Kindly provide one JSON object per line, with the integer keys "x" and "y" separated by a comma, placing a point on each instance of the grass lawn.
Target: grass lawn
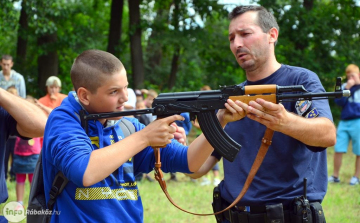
{"x": 341, "y": 203}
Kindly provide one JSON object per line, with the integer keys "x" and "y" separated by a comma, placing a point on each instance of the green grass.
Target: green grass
{"x": 341, "y": 203}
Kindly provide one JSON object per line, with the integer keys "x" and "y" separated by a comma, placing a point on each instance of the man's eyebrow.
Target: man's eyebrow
{"x": 240, "y": 30}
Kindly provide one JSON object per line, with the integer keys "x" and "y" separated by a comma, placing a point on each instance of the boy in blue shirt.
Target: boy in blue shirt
{"x": 348, "y": 128}
{"x": 101, "y": 166}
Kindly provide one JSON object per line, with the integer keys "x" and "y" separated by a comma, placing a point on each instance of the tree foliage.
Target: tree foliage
{"x": 184, "y": 43}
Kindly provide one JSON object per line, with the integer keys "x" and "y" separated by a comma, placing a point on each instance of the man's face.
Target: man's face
{"x": 249, "y": 44}
{"x": 6, "y": 66}
{"x": 111, "y": 96}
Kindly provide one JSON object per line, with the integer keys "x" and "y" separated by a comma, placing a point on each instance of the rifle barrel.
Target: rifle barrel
{"x": 118, "y": 114}
{"x": 314, "y": 96}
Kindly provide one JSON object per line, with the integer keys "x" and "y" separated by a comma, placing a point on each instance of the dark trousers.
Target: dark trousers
{"x": 10, "y": 145}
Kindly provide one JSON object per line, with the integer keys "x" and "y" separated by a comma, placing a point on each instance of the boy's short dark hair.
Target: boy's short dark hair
{"x": 91, "y": 67}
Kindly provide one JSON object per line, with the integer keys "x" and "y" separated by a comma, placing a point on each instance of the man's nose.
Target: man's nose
{"x": 238, "y": 42}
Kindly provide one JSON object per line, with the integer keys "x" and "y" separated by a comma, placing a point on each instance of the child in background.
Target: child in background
{"x": 26, "y": 154}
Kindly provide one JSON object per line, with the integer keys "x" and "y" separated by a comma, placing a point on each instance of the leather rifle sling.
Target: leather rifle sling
{"x": 265, "y": 143}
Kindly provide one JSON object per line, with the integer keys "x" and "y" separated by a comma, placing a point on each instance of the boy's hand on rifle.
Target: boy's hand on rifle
{"x": 160, "y": 132}
{"x": 273, "y": 116}
{"x": 233, "y": 112}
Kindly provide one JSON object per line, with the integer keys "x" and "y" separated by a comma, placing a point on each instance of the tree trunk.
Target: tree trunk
{"x": 137, "y": 62}
{"x": 48, "y": 62}
{"x": 22, "y": 38}
{"x": 115, "y": 27}
{"x": 176, "y": 55}
{"x": 308, "y": 5}
{"x": 154, "y": 47}
{"x": 174, "y": 67}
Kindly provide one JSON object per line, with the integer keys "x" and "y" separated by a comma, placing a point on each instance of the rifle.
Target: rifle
{"x": 203, "y": 105}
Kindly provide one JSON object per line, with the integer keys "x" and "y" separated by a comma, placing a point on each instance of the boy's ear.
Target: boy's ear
{"x": 83, "y": 95}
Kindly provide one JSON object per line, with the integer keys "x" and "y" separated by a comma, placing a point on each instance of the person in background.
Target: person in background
{"x": 139, "y": 96}
{"x": 9, "y": 77}
{"x": 53, "y": 98}
{"x": 131, "y": 103}
{"x": 26, "y": 154}
{"x": 143, "y": 118}
{"x": 149, "y": 99}
{"x": 348, "y": 128}
{"x": 21, "y": 118}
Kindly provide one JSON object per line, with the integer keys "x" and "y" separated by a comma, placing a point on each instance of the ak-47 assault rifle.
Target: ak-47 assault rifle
{"x": 203, "y": 104}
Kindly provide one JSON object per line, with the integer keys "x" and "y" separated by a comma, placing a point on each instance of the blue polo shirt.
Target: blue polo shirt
{"x": 288, "y": 161}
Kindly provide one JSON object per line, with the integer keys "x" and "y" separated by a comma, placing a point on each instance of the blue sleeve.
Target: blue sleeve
{"x": 312, "y": 83}
{"x": 66, "y": 145}
{"x": 9, "y": 124}
{"x": 173, "y": 159}
{"x": 186, "y": 124}
{"x": 343, "y": 100}
{"x": 320, "y": 108}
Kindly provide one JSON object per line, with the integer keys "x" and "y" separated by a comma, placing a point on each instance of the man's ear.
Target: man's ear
{"x": 84, "y": 95}
{"x": 274, "y": 33}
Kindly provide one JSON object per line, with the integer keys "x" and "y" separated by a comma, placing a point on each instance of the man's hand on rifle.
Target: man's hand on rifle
{"x": 273, "y": 116}
{"x": 233, "y": 112}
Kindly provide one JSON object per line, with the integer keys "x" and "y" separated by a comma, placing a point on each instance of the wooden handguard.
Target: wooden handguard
{"x": 261, "y": 89}
{"x": 247, "y": 98}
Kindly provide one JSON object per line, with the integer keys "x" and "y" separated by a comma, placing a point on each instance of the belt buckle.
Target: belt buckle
{"x": 240, "y": 208}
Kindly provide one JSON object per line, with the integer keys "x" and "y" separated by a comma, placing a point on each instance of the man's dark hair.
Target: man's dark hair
{"x": 6, "y": 57}
{"x": 266, "y": 20}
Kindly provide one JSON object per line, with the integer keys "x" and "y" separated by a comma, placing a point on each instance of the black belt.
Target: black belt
{"x": 257, "y": 214}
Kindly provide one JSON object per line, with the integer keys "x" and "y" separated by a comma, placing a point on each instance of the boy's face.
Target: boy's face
{"x": 140, "y": 105}
{"x": 111, "y": 95}
{"x": 353, "y": 76}
{"x": 149, "y": 100}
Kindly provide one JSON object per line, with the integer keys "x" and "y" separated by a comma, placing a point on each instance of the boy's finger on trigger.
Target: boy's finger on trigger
{"x": 173, "y": 118}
